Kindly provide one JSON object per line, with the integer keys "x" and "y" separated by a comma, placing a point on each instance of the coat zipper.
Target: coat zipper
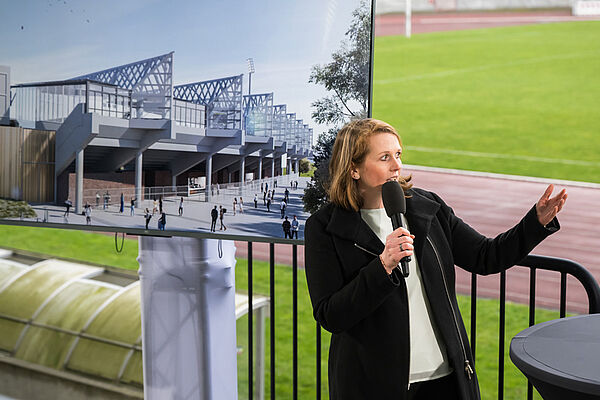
{"x": 467, "y": 364}
{"x": 363, "y": 249}
{"x": 407, "y": 316}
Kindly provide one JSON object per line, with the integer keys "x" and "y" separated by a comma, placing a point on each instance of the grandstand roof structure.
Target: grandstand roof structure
{"x": 133, "y": 117}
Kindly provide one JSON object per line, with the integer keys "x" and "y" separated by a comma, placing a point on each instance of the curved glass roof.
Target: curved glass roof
{"x": 53, "y": 314}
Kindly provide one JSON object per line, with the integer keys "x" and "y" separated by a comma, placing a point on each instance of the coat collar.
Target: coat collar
{"x": 348, "y": 224}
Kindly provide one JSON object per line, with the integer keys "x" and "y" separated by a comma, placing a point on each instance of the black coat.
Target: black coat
{"x": 367, "y": 311}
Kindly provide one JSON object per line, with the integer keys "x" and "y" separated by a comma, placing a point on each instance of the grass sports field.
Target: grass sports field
{"x": 521, "y": 100}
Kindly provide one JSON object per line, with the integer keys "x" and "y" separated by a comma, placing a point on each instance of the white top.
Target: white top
{"x": 428, "y": 357}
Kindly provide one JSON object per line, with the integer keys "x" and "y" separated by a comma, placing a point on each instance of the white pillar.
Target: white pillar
{"x": 242, "y": 170}
{"x": 297, "y": 167}
{"x": 174, "y": 184}
{"x": 408, "y": 20}
{"x": 259, "y": 167}
{"x": 138, "y": 178}
{"x": 208, "y": 177}
{"x": 273, "y": 167}
{"x": 242, "y": 173}
{"x": 187, "y": 289}
{"x": 79, "y": 181}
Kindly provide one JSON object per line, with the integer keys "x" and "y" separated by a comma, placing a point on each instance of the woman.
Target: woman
{"x": 222, "y": 212}
{"x": 397, "y": 338}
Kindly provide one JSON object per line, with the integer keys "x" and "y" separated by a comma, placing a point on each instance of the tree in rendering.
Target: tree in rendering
{"x": 346, "y": 78}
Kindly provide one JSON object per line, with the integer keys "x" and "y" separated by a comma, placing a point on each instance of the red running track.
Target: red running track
{"x": 393, "y": 24}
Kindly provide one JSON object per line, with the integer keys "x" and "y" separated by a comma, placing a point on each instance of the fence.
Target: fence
{"x": 533, "y": 262}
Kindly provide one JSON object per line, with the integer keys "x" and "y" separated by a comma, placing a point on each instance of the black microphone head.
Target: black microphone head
{"x": 393, "y": 198}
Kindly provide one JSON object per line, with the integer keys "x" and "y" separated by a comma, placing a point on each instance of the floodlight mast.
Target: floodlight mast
{"x": 250, "y": 72}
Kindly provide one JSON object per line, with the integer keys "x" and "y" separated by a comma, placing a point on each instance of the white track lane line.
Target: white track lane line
{"x": 443, "y": 74}
{"x": 504, "y": 156}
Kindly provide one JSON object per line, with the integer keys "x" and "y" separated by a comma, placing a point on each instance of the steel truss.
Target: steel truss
{"x": 299, "y": 133}
{"x": 258, "y": 114}
{"x": 150, "y": 82}
{"x": 222, "y": 98}
{"x": 279, "y": 121}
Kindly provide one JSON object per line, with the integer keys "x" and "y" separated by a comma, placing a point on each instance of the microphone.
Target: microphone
{"x": 395, "y": 205}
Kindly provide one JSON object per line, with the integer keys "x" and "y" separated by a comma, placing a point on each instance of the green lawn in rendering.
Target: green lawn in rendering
{"x": 99, "y": 248}
{"x": 521, "y": 100}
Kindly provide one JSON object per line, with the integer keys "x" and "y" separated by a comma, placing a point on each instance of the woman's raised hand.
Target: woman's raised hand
{"x": 547, "y": 207}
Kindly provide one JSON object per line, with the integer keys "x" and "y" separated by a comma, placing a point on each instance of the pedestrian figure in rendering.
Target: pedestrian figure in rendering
{"x": 154, "y": 206}
{"x": 68, "y": 205}
{"x": 106, "y": 199}
{"x": 269, "y": 204}
{"x": 222, "y": 212}
{"x": 282, "y": 206}
{"x": 266, "y": 186}
{"x": 160, "y": 205}
{"x": 234, "y": 204}
{"x": 214, "y": 214}
{"x": 295, "y": 226}
{"x": 241, "y": 205}
{"x": 97, "y": 200}
{"x": 162, "y": 221}
{"x": 181, "y": 206}
{"x": 255, "y": 200}
{"x": 148, "y": 217}
{"x": 265, "y": 198}
{"x": 398, "y": 336}
{"x": 287, "y": 195}
{"x": 217, "y": 188}
{"x": 273, "y": 194}
{"x": 261, "y": 186}
{"x": 132, "y": 206}
{"x": 88, "y": 214}
{"x": 122, "y": 208}
{"x": 286, "y": 228}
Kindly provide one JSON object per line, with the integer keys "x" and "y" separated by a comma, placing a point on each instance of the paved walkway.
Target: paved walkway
{"x": 196, "y": 214}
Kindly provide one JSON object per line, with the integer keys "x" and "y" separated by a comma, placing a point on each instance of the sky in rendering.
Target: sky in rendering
{"x": 46, "y": 40}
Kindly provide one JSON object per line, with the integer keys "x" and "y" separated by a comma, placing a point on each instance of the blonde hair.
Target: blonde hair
{"x": 349, "y": 150}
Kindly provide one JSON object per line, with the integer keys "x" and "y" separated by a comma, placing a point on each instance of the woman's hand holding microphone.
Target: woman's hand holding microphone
{"x": 398, "y": 244}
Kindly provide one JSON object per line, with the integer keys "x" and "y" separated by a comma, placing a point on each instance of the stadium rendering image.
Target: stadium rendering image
{"x": 129, "y": 129}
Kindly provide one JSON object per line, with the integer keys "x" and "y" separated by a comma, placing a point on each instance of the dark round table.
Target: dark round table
{"x": 561, "y": 358}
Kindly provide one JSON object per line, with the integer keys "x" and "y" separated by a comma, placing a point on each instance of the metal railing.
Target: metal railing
{"x": 106, "y": 197}
{"x": 189, "y": 114}
{"x": 533, "y": 262}
{"x": 108, "y": 100}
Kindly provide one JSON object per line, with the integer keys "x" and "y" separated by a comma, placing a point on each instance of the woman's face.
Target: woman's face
{"x": 381, "y": 164}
